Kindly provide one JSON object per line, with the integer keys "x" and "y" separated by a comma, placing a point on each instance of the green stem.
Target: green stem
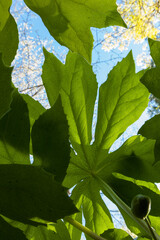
{"x": 142, "y": 225}
{"x": 150, "y": 228}
{"x": 82, "y": 228}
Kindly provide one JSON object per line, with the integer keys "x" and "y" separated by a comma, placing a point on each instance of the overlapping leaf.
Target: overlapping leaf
{"x": 134, "y": 160}
{"x": 15, "y": 133}
{"x": 9, "y": 40}
{"x": 69, "y": 22}
{"x": 30, "y": 194}
{"x": 78, "y": 91}
{"x": 122, "y": 99}
{"x": 50, "y": 141}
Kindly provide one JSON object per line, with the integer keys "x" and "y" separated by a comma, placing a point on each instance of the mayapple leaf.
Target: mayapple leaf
{"x": 50, "y": 141}
{"x": 69, "y": 22}
{"x": 155, "y": 51}
{"x": 4, "y": 12}
{"x": 151, "y": 78}
{"x": 15, "y": 133}
{"x": 29, "y": 193}
{"x": 97, "y": 215}
{"x": 77, "y": 85}
{"x": 79, "y": 90}
{"x": 116, "y": 234}
{"x": 8, "y": 232}
{"x": 122, "y": 99}
{"x": 151, "y": 128}
{"x": 76, "y": 171}
{"x": 6, "y": 88}
{"x": 9, "y": 41}
{"x": 52, "y": 76}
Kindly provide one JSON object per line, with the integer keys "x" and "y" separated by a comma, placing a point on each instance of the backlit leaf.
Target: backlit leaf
{"x": 69, "y": 22}
{"x": 122, "y": 99}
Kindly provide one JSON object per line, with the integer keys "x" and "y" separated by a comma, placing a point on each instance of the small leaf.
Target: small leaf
{"x": 151, "y": 79}
{"x": 116, "y": 234}
{"x": 28, "y": 194}
{"x": 151, "y": 128}
{"x": 50, "y": 140}
{"x": 15, "y": 133}
{"x": 69, "y": 22}
{"x": 52, "y": 75}
{"x": 122, "y": 99}
{"x": 155, "y": 51}
{"x": 6, "y": 88}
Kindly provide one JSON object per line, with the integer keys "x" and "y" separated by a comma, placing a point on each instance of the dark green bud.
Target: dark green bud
{"x": 141, "y": 206}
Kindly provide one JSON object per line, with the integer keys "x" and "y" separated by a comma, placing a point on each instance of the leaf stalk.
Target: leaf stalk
{"x": 84, "y": 229}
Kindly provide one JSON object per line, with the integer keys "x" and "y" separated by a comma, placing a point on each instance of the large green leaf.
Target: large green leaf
{"x": 122, "y": 99}
{"x": 15, "y": 133}
{"x": 116, "y": 234}
{"x": 52, "y": 76}
{"x": 50, "y": 141}
{"x": 9, "y": 41}
{"x": 4, "y": 12}
{"x": 69, "y": 22}
{"x": 5, "y": 88}
{"x": 28, "y": 193}
{"x": 155, "y": 51}
{"x": 79, "y": 90}
{"x": 8, "y": 232}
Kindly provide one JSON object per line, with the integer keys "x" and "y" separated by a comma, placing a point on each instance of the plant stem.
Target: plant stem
{"x": 141, "y": 223}
{"x": 83, "y": 228}
{"x": 150, "y": 228}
